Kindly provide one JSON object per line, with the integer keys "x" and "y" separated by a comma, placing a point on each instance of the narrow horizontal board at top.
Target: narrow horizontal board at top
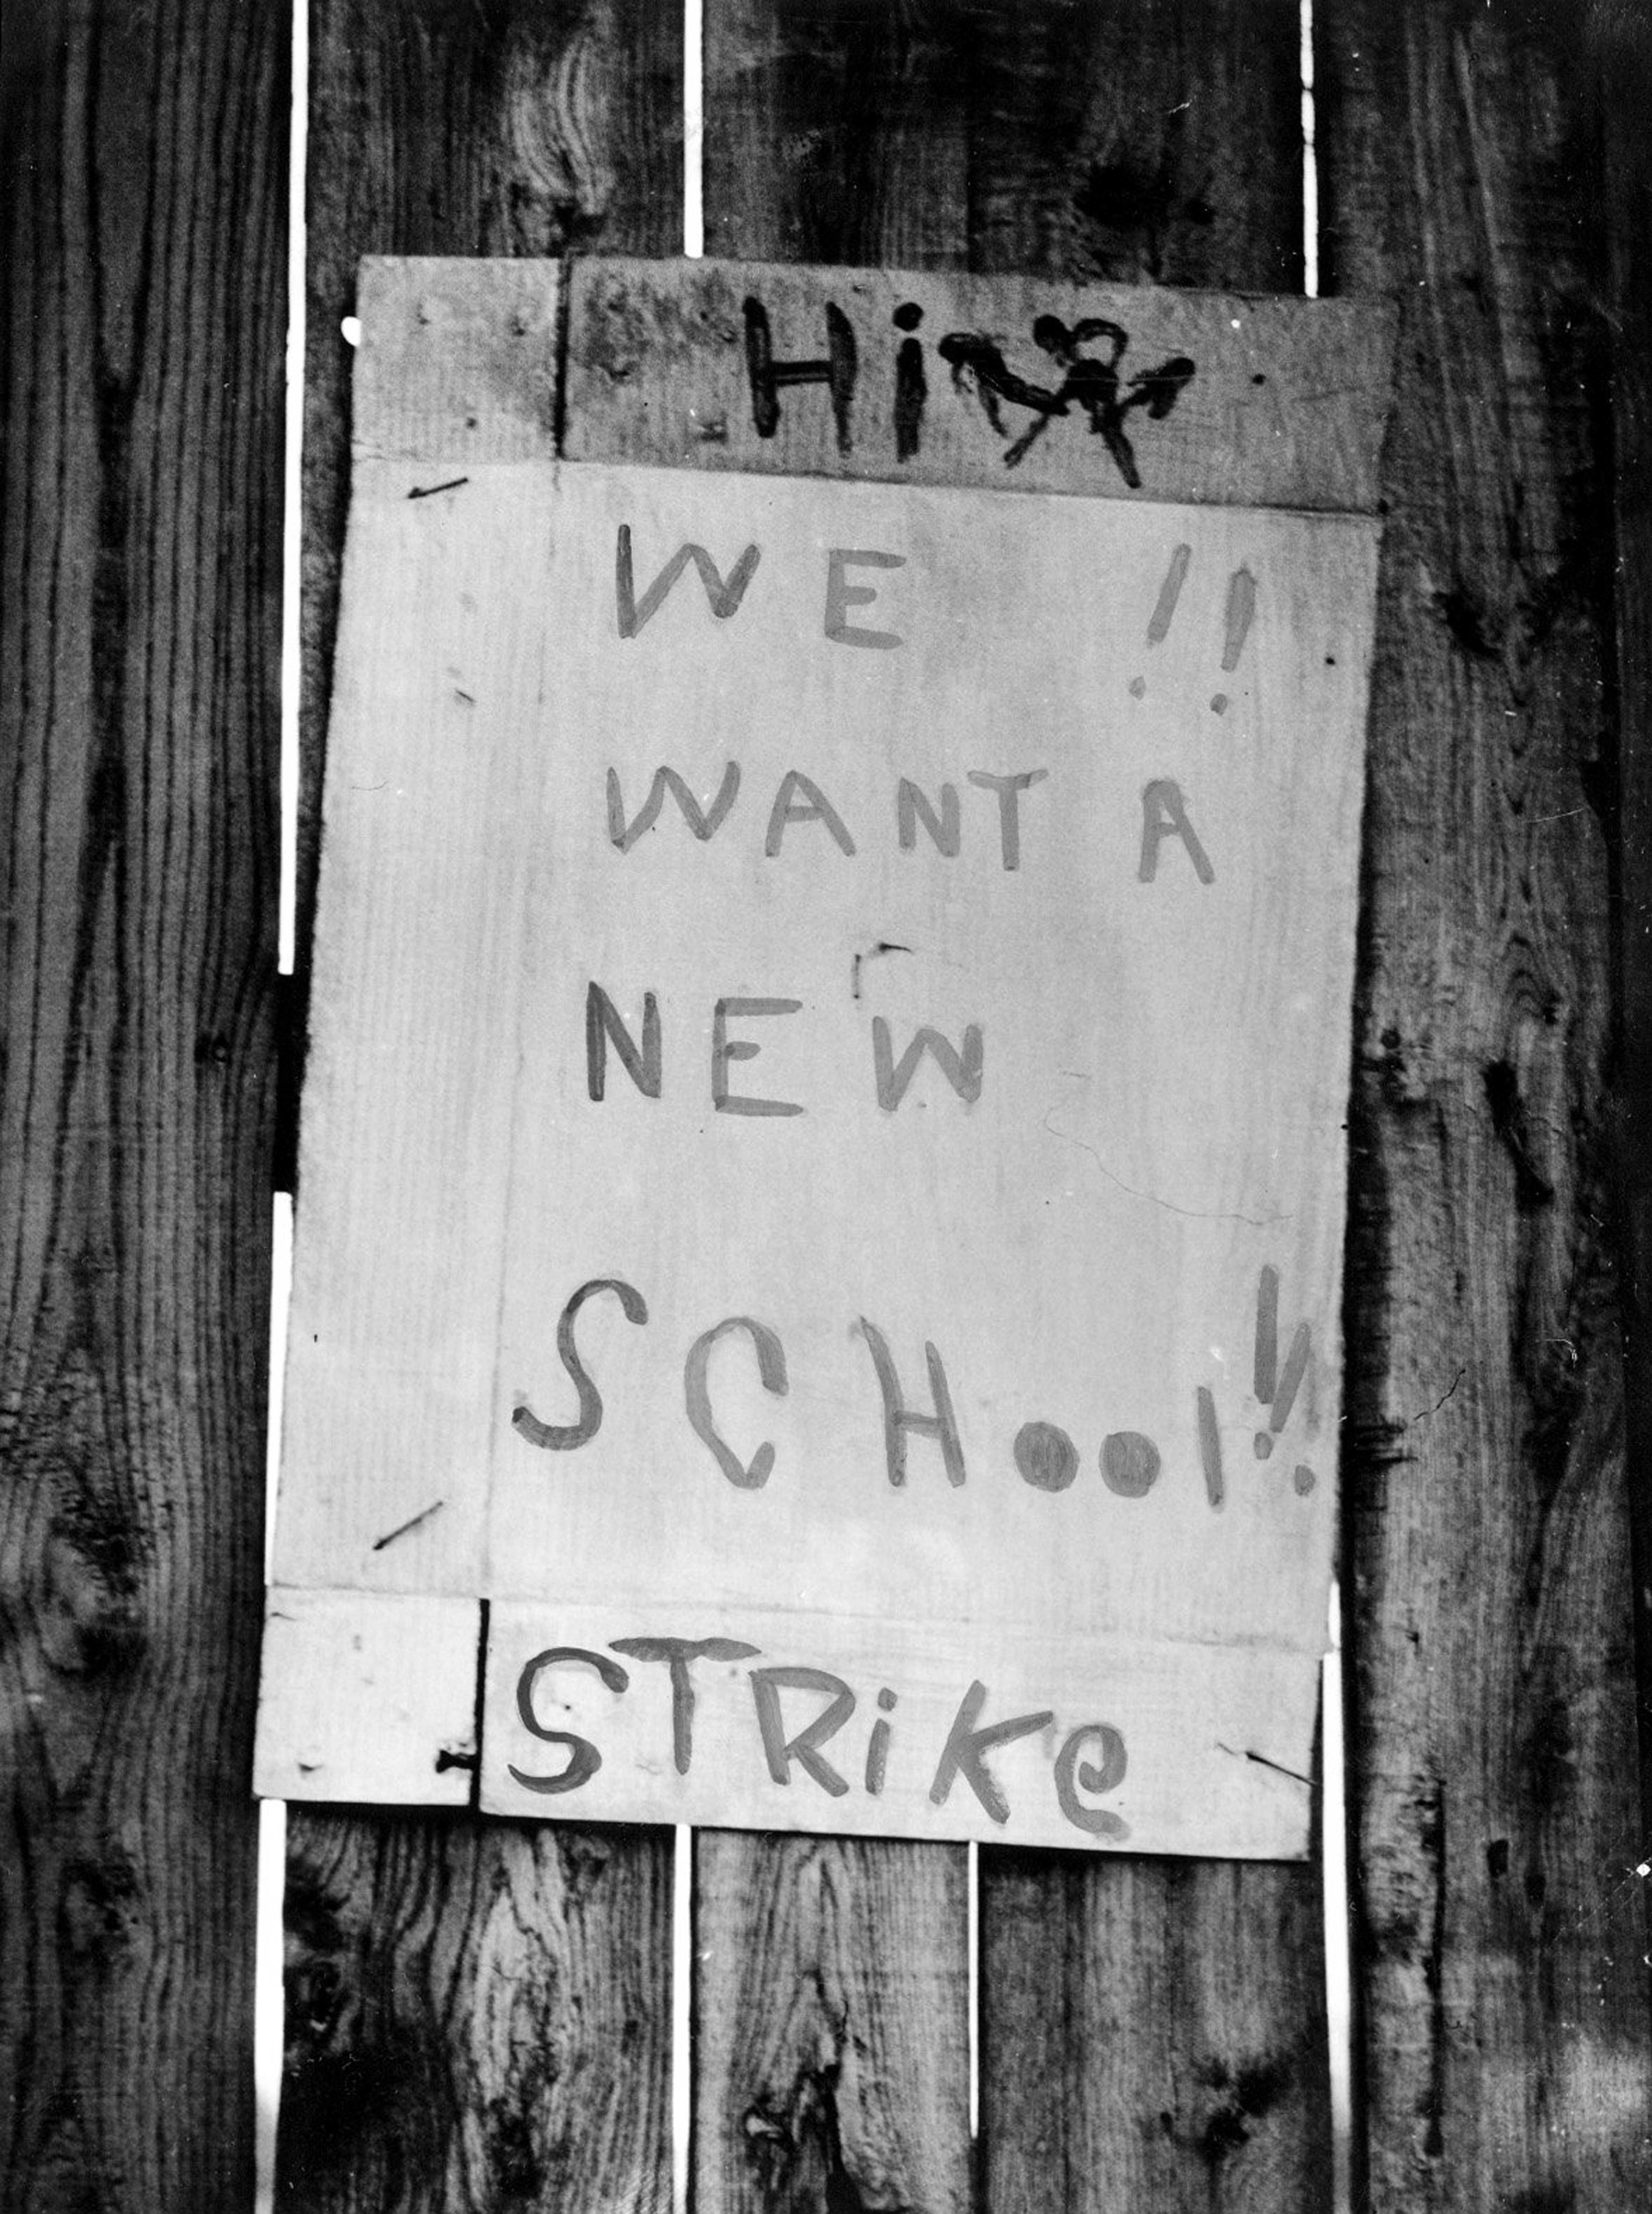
{"x": 1016, "y": 382}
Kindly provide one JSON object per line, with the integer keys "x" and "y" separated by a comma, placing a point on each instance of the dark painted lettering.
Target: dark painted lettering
{"x": 799, "y": 799}
{"x": 1047, "y": 1456}
{"x": 841, "y": 596}
{"x": 1130, "y": 1464}
{"x": 604, "y": 1026}
{"x": 900, "y": 1421}
{"x": 1091, "y": 385}
{"x": 780, "y": 1750}
{"x": 725, "y": 1049}
{"x": 964, "y": 1751}
{"x": 564, "y": 1439}
{"x": 583, "y": 1758}
{"x": 677, "y": 1654}
{"x": 1009, "y": 789}
{"x": 1071, "y": 1772}
{"x": 697, "y": 1394}
{"x": 1164, "y": 814}
{"x": 962, "y": 1071}
{"x": 631, "y": 612}
{"x": 769, "y": 377}
{"x": 701, "y": 821}
{"x": 911, "y": 387}
{"x": 912, "y": 807}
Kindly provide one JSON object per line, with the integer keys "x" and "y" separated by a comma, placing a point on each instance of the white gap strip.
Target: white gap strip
{"x": 693, "y": 131}
{"x": 682, "y": 1994}
{"x": 1310, "y": 163}
{"x": 1334, "y": 1861}
{"x": 1333, "y": 1796}
{"x": 682, "y": 1886}
{"x": 267, "y": 2015}
{"x": 292, "y": 534}
{"x": 972, "y": 1884}
{"x": 268, "y": 2026}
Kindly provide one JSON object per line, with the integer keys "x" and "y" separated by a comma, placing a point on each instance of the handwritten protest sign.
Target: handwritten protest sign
{"x": 823, "y": 1175}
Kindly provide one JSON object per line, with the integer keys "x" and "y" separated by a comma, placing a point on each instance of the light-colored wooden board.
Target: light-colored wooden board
{"x": 828, "y": 1060}
{"x": 442, "y": 665}
{"x": 368, "y": 1696}
{"x": 1106, "y": 1746}
{"x": 1158, "y": 1119}
{"x": 446, "y": 371}
{"x": 1025, "y": 383}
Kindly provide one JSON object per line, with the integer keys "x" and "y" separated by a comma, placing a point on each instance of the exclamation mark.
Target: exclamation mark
{"x": 1241, "y": 608}
{"x": 1159, "y": 622}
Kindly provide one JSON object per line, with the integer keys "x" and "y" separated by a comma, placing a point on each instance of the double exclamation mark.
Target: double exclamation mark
{"x": 1236, "y": 626}
{"x": 1276, "y": 1389}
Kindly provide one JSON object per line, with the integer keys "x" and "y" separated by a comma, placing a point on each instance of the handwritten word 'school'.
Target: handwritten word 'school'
{"x": 1081, "y": 366}
{"x": 1090, "y": 1761}
{"x": 1044, "y": 1456}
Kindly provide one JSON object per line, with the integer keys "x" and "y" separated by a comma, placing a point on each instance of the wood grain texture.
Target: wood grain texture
{"x": 508, "y": 127}
{"x": 1132, "y": 144}
{"x": 144, "y": 198}
{"x": 1286, "y": 406}
{"x": 1081, "y": 160}
{"x": 474, "y": 2016}
{"x": 1620, "y": 53}
{"x": 1136, "y": 2050}
{"x": 830, "y": 2010}
{"x": 1499, "y": 1924}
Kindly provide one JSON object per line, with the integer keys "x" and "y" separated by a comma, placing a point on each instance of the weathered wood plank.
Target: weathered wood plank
{"x": 1096, "y": 143}
{"x": 144, "y": 255}
{"x": 1621, "y": 53}
{"x": 1130, "y": 145}
{"x": 1500, "y": 1933}
{"x": 511, "y": 127}
{"x": 837, "y": 2102}
{"x": 1192, "y": 2000}
{"x": 1273, "y": 402}
{"x": 474, "y": 2016}
{"x": 832, "y": 1983}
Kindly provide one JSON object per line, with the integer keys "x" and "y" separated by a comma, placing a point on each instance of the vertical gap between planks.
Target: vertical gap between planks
{"x": 972, "y": 1944}
{"x": 268, "y": 2027}
{"x": 682, "y": 1886}
{"x": 693, "y": 129}
{"x": 268, "y": 2024}
{"x": 1333, "y": 1795}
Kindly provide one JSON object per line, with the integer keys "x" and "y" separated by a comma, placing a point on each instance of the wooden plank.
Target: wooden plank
{"x": 405, "y": 1150}
{"x": 1081, "y": 162}
{"x": 471, "y": 2016}
{"x": 1621, "y": 52}
{"x": 832, "y": 2059}
{"x": 368, "y": 1696}
{"x": 1129, "y": 145}
{"x": 515, "y": 127}
{"x": 1500, "y": 1916}
{"x": 1261, "y": 402}
{"x": 144, "y": 199}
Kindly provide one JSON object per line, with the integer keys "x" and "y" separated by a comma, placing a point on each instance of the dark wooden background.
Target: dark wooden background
{"x": 479, "y": 2014}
